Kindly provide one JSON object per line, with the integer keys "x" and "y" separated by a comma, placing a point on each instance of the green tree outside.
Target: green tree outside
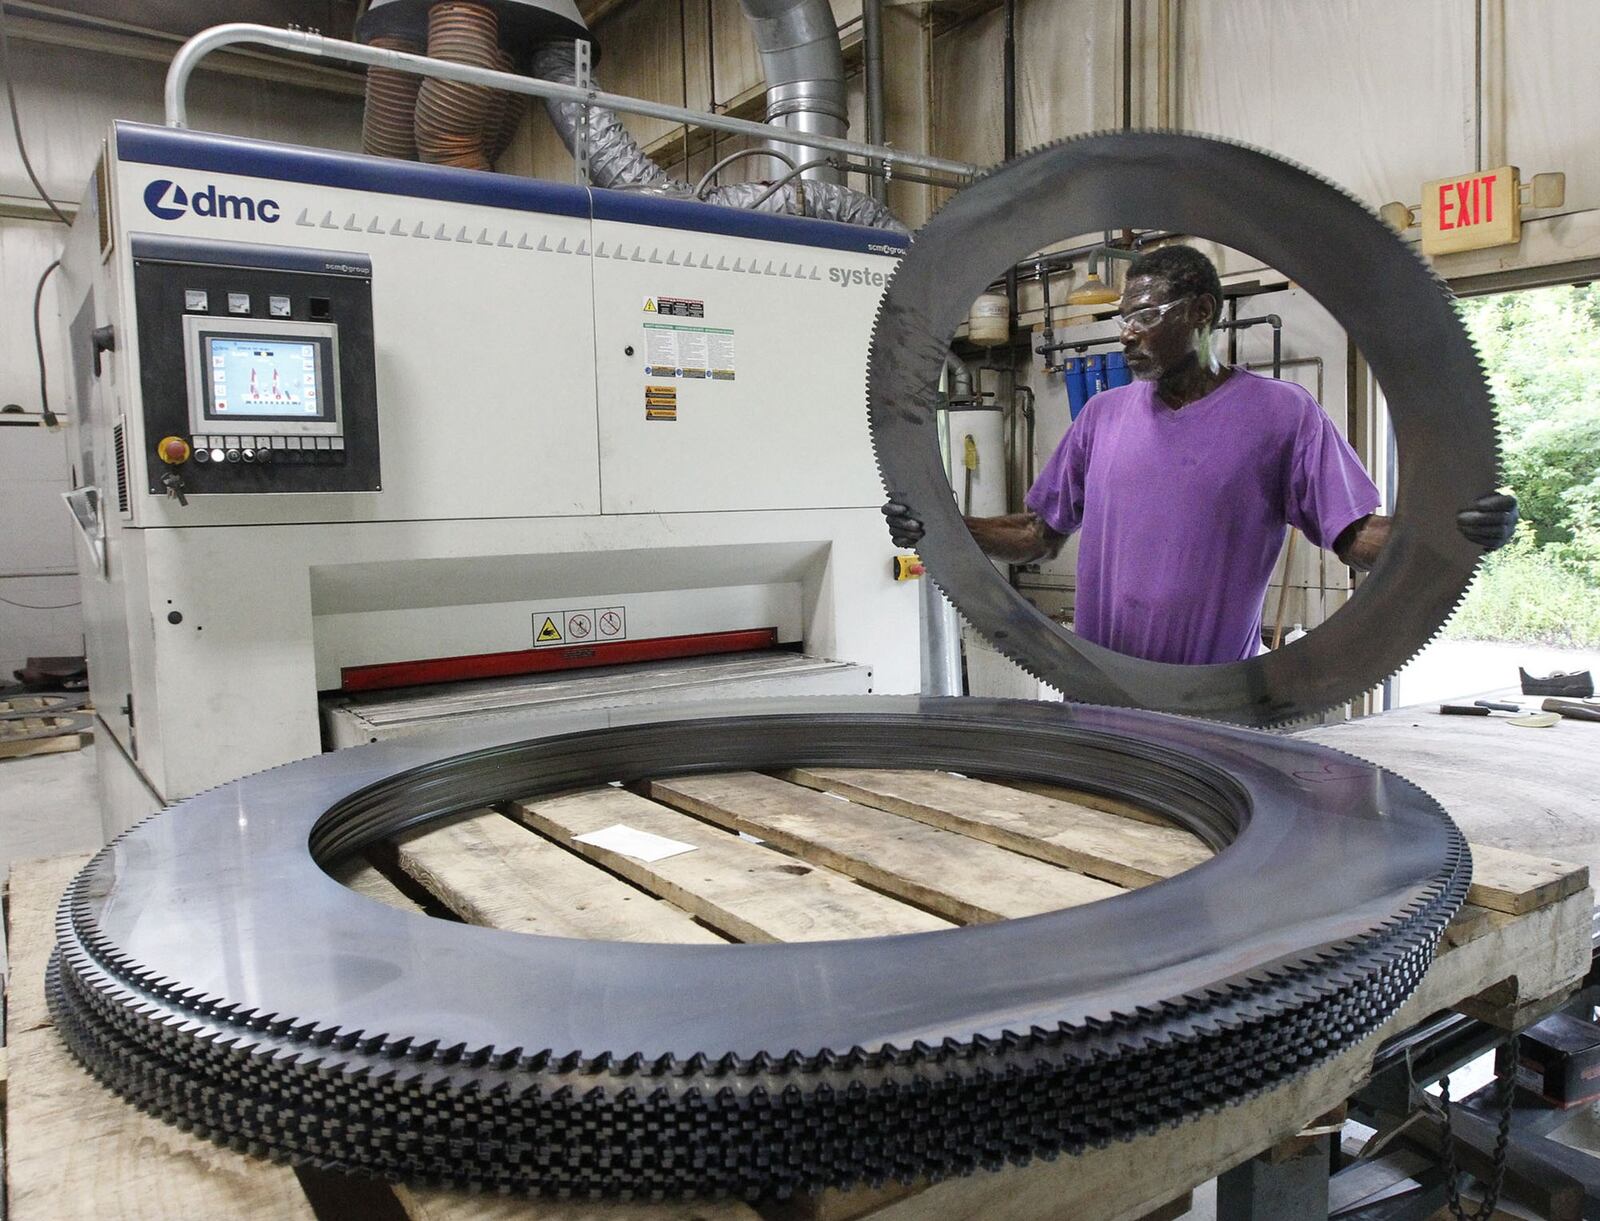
{"x": 1541, "y": 351}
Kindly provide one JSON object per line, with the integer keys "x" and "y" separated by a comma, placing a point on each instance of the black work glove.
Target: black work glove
{"x": 904, "y": 529}
{"x": 1488, "y": 521}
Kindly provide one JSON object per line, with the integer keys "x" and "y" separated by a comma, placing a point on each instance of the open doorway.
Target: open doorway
{"x": 1536, "y": 603}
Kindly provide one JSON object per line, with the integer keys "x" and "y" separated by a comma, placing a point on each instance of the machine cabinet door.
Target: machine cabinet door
{"x": 732, "y": 371}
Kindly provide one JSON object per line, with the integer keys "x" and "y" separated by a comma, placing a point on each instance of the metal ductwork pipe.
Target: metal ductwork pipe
{"x": 616, "y": 161}
{"x": 800, "y": 54}
{"x": 467, "y": 125}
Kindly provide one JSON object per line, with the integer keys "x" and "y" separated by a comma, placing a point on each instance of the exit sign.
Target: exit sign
{"x": 1471, "y": 212}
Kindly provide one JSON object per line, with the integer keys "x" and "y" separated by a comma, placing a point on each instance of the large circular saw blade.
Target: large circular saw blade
{"x": 1399, "y": 315}
{"x": 208, "y": 970}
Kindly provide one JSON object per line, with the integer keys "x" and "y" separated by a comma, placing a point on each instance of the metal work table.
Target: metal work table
{"x": 1529, "y": 790}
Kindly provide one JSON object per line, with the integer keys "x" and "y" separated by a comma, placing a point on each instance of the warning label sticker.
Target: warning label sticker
{"x": 673, "y": 350}
{"x": 557, "y": 628}
{"x": 675, "y": 307}
{"x": 550, "y": 628}
{"x": 661, "y": 402}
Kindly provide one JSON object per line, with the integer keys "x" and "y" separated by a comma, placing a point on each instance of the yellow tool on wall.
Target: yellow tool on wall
{"x": 969, "y": 459}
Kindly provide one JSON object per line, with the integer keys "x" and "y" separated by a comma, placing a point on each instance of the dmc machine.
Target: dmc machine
{"x": 349, "y": 425}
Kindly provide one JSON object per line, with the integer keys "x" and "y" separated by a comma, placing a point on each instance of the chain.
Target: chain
{"x": 1505, "y": 1083}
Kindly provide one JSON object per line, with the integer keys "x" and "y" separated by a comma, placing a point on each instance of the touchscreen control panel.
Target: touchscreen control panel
{"x": 257, "y": 368}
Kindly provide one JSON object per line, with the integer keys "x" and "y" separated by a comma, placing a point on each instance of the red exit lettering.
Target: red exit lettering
{"x": 1472, "y": 201}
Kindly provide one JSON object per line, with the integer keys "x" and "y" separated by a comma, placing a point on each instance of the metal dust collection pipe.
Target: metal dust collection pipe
{"x": 804, "y": 66}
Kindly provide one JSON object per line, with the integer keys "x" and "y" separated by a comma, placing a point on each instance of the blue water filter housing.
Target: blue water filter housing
{"x": 1077, "y": 392}
{"x": 1087, "y": 376}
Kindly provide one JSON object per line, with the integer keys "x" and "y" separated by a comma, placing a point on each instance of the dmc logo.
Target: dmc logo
{"x": 167, "y": 200}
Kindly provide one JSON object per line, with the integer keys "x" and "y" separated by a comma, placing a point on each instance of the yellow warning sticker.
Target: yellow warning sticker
{"x": 549, "y": 633}
{"x": 650, "y": 305}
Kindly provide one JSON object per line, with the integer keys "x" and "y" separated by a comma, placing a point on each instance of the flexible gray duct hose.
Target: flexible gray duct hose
{"x": 823, "y": 200}
{"x": 615, "y": 158}
{"x": 617, "y": 161}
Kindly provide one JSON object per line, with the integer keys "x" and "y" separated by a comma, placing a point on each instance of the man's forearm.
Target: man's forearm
{"x": 1018, "y": 538}
{"x": 1360, "y": 542}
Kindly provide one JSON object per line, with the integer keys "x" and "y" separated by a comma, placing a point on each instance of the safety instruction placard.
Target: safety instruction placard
{"x": 589, "y": 625}
{"x": 675, "y": 350}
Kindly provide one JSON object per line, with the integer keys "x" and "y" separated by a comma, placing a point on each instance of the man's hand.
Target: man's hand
{"x": 1489, "y": 521}
{"x": 904, "y": 529}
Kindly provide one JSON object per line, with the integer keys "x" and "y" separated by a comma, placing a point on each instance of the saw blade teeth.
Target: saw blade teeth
{"x": 765, "y": 1123}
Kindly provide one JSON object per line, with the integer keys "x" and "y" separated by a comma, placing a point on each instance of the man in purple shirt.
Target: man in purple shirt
{"x": 1182, "y": 483}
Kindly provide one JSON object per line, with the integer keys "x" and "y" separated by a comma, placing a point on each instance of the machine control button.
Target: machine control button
{"x": 202, "y": 456}
{"x": 217, "y": 455}
{"x": 278, "y": 307}
{"x": 907, "y": 568}
{"x": 196, "y": 301}
{"x": 238, "y": 303}
{"x": 173, "y": 450}
{"x": 263, "y": 453}
{"x": 249, "y": 455}
{"x": 234, "y": 455}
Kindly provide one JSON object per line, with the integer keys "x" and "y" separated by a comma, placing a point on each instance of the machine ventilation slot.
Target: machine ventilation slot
{"x": 102, "y": 190}
{"x": 120, "y": 443}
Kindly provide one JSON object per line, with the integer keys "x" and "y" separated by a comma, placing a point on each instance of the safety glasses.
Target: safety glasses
{"x": 1142, "y": 320}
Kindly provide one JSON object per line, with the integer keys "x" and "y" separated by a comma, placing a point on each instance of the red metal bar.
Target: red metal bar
{"x": 538, "y": 661}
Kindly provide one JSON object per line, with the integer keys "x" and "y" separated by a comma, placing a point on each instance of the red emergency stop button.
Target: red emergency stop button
{"x": 907, "y": 568}
{"x": 174, "y": 451}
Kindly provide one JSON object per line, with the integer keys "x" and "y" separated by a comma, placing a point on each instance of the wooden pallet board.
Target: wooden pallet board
{"x": 746, "y": 890}
{"x": 829, "y": 866}
{"x": 1515, "y": 883}
{"x": 959, "y": 879}
{"x": 55, "y": 745}
{"x": 492, "y": 872}
{"x": 1068, "y": 833}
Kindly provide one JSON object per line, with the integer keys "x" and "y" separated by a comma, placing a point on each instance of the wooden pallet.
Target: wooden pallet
{"x": 811, "y": 854}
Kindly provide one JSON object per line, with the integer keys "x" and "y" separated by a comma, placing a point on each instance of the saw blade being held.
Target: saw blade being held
{"x": 1392, "y": 307}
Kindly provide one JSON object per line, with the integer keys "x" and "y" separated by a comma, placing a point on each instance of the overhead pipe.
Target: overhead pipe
{"x": 306, "y": 42}
{"x": 804, "y": 65}
{"x": 872, "y": 85}
{"x": 617, "y": 161}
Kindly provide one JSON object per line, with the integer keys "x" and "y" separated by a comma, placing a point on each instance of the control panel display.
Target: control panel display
{"x": 257, "y": 369}
{"x": 259, "y": 377}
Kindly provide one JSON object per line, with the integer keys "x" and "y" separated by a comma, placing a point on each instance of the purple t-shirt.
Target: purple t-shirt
{"x": 1183, "y": 512}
